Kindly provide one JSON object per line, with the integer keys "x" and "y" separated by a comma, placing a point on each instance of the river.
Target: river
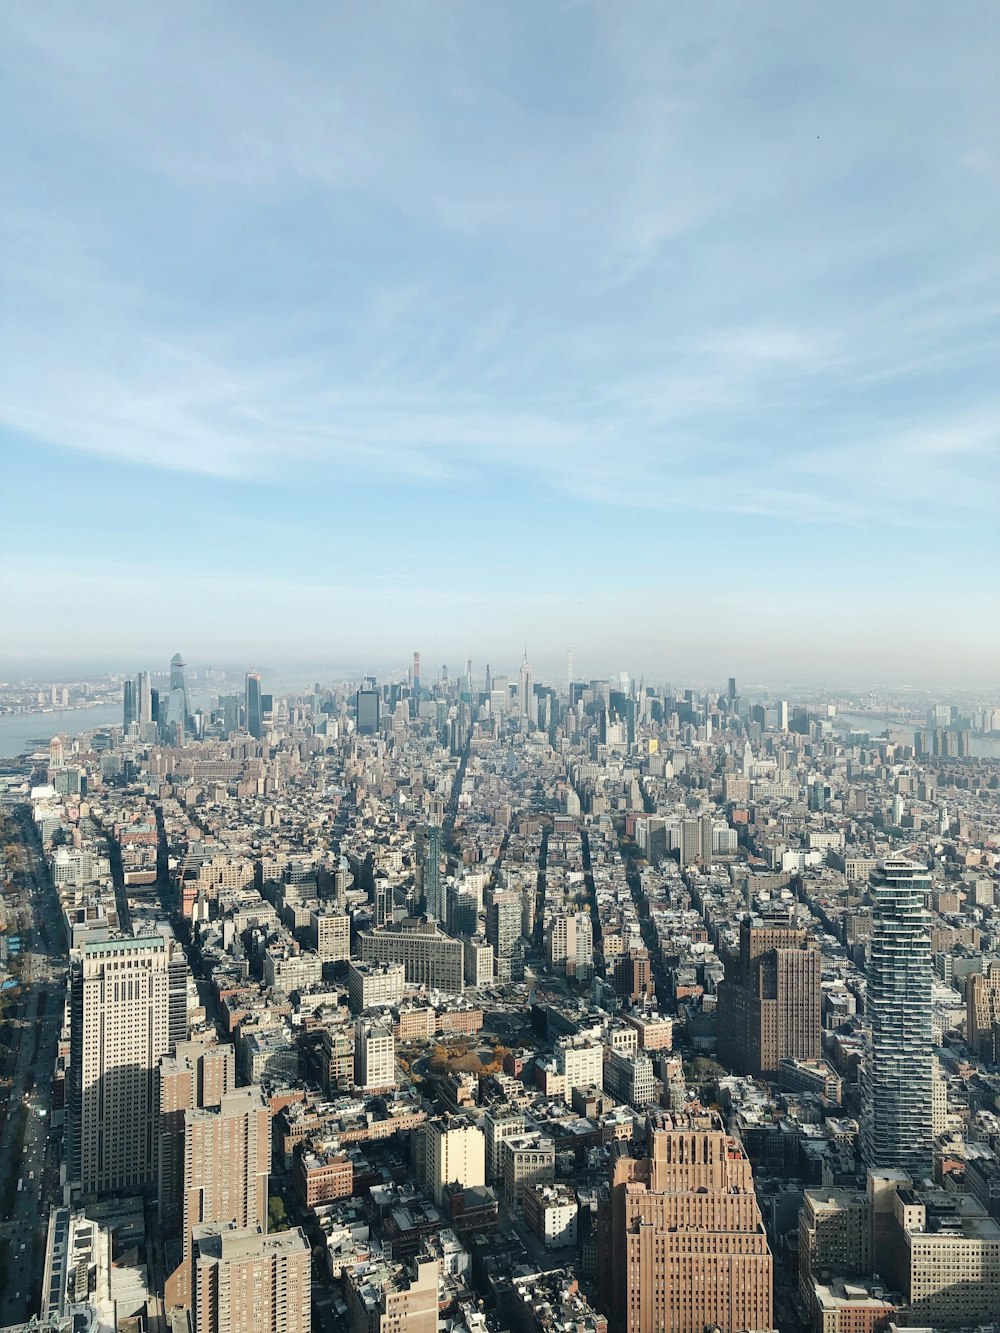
{"x": 982, "y": 747}
{"x": 18, "y": 732}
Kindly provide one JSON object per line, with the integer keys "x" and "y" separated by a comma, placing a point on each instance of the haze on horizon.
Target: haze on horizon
{"x": 668, "y": 333}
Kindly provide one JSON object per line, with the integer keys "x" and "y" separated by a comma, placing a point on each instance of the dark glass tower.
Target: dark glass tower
{"x": 254, "y": 706}
{"x": 434, "y": 905}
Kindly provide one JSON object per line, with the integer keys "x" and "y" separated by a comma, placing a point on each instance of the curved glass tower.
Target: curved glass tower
{"x": 897, "y": 1088}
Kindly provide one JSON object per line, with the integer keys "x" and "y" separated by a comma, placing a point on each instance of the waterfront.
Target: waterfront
{"x": 18, "y": 732}
{"x": 882, "y": 724}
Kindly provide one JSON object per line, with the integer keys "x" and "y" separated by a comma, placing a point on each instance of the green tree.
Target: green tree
{"x": 277, "y": 1218}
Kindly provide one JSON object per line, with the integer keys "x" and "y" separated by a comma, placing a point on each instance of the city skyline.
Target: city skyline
{"x": 680, "y": 345}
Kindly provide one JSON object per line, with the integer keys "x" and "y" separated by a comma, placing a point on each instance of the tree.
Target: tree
{"x": 277, "y": 1218}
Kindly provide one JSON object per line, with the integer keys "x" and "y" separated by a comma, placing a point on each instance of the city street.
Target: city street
{"x": 29, "y": 1148}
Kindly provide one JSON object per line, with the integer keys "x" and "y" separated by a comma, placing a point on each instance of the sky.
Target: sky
{"x": 667, "y": 332}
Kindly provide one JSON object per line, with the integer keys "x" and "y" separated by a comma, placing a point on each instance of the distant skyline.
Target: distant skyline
{"x": 670, "y": 333}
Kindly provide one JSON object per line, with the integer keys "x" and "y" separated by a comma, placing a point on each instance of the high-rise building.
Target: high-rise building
{"x": 430, "y": 957}
{"x": 525, "y": 695}
{"x": 770, "y": 1003}
{"x": 374, "y": 1054}
{"x": 503, "y": 927}
{"x": 898, "y": 1075}
{"x": 196, "y": 1075}
{"x": 982, "y": 1019}
{"x": 434, "y": 903}
{"x": 227, "y": 1159}
{"x": 118, "y": 1033}
{"x": 143, "y": 699}
{"x": 128, "y": 704}
{"x": 570, "y": 941}
{"x": 368, "y": 707}
{"x": 455, "y": 1150}
{"x": 254, "y": 706}
{"x": 688, "y": 1248}
{"x": 179, "y": 722}
{"x": 248, "y": 1282}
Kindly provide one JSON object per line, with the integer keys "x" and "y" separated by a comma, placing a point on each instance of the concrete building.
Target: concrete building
{"x": 527, "y": 1159}
{"x": 370, "y": 984}
{"x": 249, "y": 1282}
{"x": 118, "y": 1034}
{"x": 330, "y": 934}
{"x": 580, "y": 1062}
{"x": 227, "y": 1160}
{"x": 688, "y": 1247}
{"x": 455, "y": 1152}
{"x": 570, "y": 941}
{"x": 770, "y": 1004}
{"x": 374, "y": 1054}
{"x": 393, "y": 1299}
{"x": 429, "y": 957}
{"x": 550, "y": 1211}
{"x": 982, "y": 1019}
{"x": 196, "y": 1075}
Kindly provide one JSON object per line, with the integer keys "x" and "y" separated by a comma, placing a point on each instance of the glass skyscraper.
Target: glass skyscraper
{"x": 254, "y": 706}
{"x": 897, "y": 1123}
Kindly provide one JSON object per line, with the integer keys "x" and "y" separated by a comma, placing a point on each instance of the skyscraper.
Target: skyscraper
{"x": 118, "y": 1032}
{"x": 144, "y": 699}
{"x": 525, "y": 690}
{"x": 368, "y": 711}
{"x": 688, "y": 1248}
{"x": 227, "y": 1158}
{"x": 434, "y": 904}
{"x": 128, "y": 704}
{"x": 196, "y": 1075}
{"x": 770, "y": 1004}
{"x": 254, "y": 709}
{"x": 178, "y": 709}
{"x": 898, "y": 1076}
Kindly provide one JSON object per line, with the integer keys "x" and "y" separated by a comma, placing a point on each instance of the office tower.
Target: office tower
{"x": 128, "y": 704}
{"x": 455, "y": 1150}
{"x": 503, "y": 929}
{"x": 688, "y": 1248}
{"x": 154, "y": 706}
{"x": 783, "y": 715}
{"x": 178, "y": 976}
{"x": 633, "y": 977}
{"x": 229, "y": 706}
{"x": 695, "y": 843}
{"x": 367, "y": 711}
{"x": 178, "y": 711}
{"x": 118, "y": 1032}
{"x": 731, "y": 693}
{"x": 330, "y": 934}
{"x": 570, "y": 939}
{"x": 770, "y": 1003}
{"x": 57, "y": 752}
{"x": 525, "y": 692}
{"x": 143, "y": 699}
{"x": 374, "y": 1054}
{"x": 196, "y": 1075}
{"x": 415, "y": 708}
{"x": 227, "y": 1159}
{"x": 248, "y": 1282}
{"x": 430, "y": 957}
{"x": 254, "y": 706}
{"x": 982, "y": 1019}
{"x": 434, "y": 905}
{"x": 898, "y": 1076}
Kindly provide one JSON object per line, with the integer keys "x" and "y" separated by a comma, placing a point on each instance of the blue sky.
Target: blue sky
{"x": 668, "y": 332}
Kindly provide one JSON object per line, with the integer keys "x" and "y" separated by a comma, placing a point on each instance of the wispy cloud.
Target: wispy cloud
{"x": 701, "y": 266}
